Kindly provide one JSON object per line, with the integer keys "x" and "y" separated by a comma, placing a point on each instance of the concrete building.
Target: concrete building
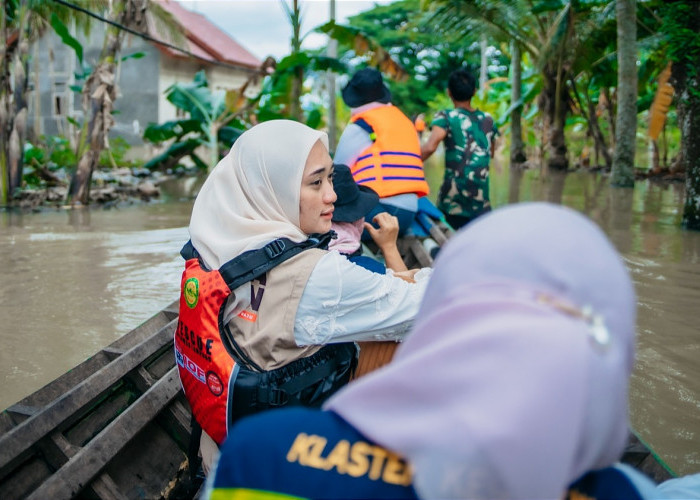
{"x": 141, "y": 82}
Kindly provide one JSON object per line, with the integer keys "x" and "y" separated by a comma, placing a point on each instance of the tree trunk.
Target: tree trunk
{"x": 626, "y": 123}
{"x": 332, "y": 111}
{"x": 99, "y": 94}
{"x": 484, "y": 69}
{"x": 18, "y": 125}
{"x": 689, "y": 117}
{"x": 589, "y": 112}
{"x": 13, "y": 106}
{"x": 685, "y": 76}
{"x": 5, "y": 106}
{"x": 517, "y": 148}
{"x": 609, "y": 108}
{"x": 297, "y": 82}
{"x": 555, "y": 108}
{"x": 298, "y": 78}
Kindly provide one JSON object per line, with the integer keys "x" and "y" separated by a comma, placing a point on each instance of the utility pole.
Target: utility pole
{"x": 332, "y": 52}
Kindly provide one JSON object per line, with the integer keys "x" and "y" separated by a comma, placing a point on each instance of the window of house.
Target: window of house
{"x": 59, "y": 99}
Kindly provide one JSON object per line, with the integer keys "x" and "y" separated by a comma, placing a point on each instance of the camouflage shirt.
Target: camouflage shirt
{"x": 465, "y": 189}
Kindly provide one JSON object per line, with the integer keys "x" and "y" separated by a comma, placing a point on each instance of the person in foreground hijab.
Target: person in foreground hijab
{"x": 354, "y": 202}
{"x": 285, "y": 336}
{"x": 512, "y": 384}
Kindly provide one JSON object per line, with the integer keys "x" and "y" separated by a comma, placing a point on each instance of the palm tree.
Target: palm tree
{"x": 626, "y": 124}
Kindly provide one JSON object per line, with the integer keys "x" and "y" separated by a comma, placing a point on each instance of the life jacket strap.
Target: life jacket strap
{"x": 253, "y": 263}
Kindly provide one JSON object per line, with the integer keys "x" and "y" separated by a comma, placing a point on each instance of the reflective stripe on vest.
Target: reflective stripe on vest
{"x": 204, "y": 364}
{"x": 392, "y": 164}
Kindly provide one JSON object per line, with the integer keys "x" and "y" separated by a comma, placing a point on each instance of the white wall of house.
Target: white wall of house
{"x": 177, "y": 70}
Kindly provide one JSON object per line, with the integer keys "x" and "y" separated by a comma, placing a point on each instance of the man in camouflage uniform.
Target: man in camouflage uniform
{"x": 468, "y": 135}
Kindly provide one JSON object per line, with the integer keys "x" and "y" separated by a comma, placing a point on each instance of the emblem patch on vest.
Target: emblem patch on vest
{"x": 214, "y": 383}
{"x": 191, "y": 292}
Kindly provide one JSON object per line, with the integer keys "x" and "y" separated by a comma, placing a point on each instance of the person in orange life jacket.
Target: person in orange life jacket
{"x": 353, "y": 203}
{"x": 381, "y": 147}
{"x": 513, "y": 384}
{"x": 276, "y": 182}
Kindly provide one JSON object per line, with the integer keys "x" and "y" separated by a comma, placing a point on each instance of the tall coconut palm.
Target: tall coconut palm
{"x": 626, "y": 123}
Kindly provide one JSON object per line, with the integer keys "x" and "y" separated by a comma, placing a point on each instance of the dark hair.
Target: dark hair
{"x": 462, "y": 84}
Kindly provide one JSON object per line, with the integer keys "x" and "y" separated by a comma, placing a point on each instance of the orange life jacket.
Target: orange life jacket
{"x": 210, "y": 361}
{"x": 204, "y": 364}
{"x": 392, "y": 164}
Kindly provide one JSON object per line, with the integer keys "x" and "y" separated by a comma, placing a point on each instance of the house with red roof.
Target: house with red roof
{"x": 142, "y": 81}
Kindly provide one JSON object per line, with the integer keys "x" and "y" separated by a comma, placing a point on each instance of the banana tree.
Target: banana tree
{"x": 99, "y": 91}
{"x": 214, "y": 121}
{"x": 22, "y": 23}
{"x": 16, "y": 34}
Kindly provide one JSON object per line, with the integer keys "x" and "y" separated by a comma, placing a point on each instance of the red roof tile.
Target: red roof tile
{"x": 206, "y": 40}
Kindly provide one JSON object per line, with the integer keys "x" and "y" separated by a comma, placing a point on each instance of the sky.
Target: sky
{"x": 262, "y": 27}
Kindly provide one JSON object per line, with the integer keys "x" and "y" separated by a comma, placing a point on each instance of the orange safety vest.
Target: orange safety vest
{"x": 392, "y": 164}
{"x": 204, "y": 364}
{"x": 210, "y": 362}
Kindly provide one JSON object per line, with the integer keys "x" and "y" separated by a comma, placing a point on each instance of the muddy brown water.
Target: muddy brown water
{"x": 73, "y": 282}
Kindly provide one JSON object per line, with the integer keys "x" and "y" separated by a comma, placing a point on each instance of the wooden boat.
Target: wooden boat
{"x": 118, "y": 426}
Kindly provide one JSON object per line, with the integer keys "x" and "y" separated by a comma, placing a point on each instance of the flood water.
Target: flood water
{"x": 73, "y": 282}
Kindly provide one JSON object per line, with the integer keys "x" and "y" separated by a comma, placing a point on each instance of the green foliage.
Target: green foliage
{"x": 679, "y": 25}
{"x": 175, "y": 129}
{"x": 115, "y": 156}
{"x": 208, "y": 111}
{"x": 67, "y": 39}
{"x": 407, "y": 33}
{"x": 52, "y": 154}
{"x": 135, "y": 55}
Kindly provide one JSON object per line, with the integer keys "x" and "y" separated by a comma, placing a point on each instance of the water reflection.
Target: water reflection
{"x": 75, "y": 281}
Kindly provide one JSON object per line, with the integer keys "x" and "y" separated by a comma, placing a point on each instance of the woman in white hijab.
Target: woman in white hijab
{"x": 512, "y": 385}
{"x": 276, "y": 182}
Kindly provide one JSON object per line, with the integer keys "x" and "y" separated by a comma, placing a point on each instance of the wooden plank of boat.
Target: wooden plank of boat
{"x": 118, "y": 424}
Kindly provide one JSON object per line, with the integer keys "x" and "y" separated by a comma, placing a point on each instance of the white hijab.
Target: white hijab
{"x": 252, "y": 195}
{"x": 507, "y": 386}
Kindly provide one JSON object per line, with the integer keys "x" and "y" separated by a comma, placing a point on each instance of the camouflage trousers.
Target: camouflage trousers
{"x": 465, "y": 192}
